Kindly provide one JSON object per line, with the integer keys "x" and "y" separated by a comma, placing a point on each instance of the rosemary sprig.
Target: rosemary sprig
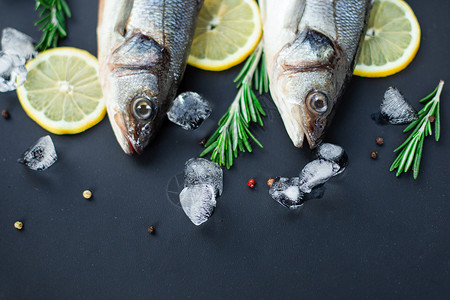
{"x": 52, "y": 22}
{"x": 233, "y": 133}
{"x": 412, "y": 148}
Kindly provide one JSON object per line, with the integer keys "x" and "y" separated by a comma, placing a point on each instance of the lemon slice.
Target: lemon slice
{"x": 227, "y": 32}
{"x": 391, "y": 41}
{"x": 62, "y": 92}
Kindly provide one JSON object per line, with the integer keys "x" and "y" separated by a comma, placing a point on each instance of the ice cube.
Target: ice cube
{"x": 317, "y": 172}
{"x": 198, "y": 202}
{"x": 41, "y": 155}
{"x": 395, "y": 109}
{"x": 11, "y": 66}
{"x": 189, "y": 110}
{"x": 286, "y": 192}
{"x": 17, "y": 43}
{"x": 200, "y": 170}
{"x": 334, "y": 153}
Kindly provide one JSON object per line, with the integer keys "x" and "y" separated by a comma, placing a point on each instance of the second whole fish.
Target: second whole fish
{"x": 142, "y": 49}
{"x": 310, "y": 49}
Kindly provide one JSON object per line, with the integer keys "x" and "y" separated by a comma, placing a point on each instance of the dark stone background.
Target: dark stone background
{"x": 371, "y": 236}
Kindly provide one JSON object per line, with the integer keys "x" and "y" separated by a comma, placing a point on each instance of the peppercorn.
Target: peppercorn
{"x": 87, "y": 194}
{"x": 270, "y": 181}
{"x": 203, "y": 142}
{"x": 18, "y": 225}
{"x": 380, "y": 141}
{"x": 374, "y": 154}
{"x": 151, "y": 229}
{"x": 251, "y": 183}
{"x": 431, "y": 118}
{"x": 5, "y": 114}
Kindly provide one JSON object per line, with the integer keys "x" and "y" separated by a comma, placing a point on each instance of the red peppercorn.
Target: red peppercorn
{"x": 251, "y": 183}
{"x": 380, "y": 141}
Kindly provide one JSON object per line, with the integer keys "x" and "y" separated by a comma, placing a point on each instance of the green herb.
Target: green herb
{"x": 52, "y": 22}
{"x": 412, "y": 148}
{"x": 233, "y": 134}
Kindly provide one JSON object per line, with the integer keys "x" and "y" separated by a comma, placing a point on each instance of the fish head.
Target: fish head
{"x": 310, "y": 82}
{"x": 313, "y": 100}
{"x": 135, "y": 120}
{"x": 136, "y": 90}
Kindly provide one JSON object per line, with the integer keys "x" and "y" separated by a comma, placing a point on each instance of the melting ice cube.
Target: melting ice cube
{"x": 198, "y": 202}
{"x": 41, "y": 155}
{"x": 189, "y": 110}
{"x": 287, "y": 192}
{"x": 333, "y": 153}
{"x": 200, "y": 170}
{"x": 11, "y": 66}
{"x": 317, "y": 172}
{"x": 17, "y": 47}
{"x": 17, "y": 43}
{"x": 395, "y": 109}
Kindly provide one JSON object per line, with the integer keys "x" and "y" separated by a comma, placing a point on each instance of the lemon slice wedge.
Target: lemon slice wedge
{"x": 227, "y": 32}
{"x": 391, "y": 41}
{"x": 62, "y": 92}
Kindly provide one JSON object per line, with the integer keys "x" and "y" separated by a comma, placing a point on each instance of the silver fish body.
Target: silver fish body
{"x": 142, "y": 50}
{"x": 310, "y": 48}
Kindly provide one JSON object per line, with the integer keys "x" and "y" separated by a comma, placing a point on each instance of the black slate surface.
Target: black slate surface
{"x": 372, "y": 235}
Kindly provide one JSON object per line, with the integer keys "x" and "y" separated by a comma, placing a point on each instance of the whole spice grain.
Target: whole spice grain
{"x": 151, "y": 229}
{"x": 431, "y": 118}
{"x": 203, "y": 142}
{"x": 5, "y": 114}
{"x": 18, "y": 225}
{"x": 87, "y": 194}
{"x": 251, "y": 183}
{"x": 380, "y": 141}
{"x": 374, "y": 154}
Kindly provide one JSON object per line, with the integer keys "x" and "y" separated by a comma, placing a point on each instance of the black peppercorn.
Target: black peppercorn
{"x": 373, "y": 155}
{"x": 5, "y": 114}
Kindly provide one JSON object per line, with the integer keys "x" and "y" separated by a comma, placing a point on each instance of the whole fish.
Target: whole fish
{"x": 142, "y": 50}
{"x": 310, "y": 48}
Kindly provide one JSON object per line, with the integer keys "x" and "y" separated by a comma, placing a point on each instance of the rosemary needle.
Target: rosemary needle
{"x": 411, "y": 149}
{"x": 233, "y": 134}
{"x": 52, "y": 22}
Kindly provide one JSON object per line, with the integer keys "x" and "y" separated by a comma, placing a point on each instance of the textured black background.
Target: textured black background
{"x": 372, "y": 235}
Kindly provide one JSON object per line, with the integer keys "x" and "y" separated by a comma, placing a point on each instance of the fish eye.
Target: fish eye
{"x": 143, "y": 108}
{"x": 317, "y": 102}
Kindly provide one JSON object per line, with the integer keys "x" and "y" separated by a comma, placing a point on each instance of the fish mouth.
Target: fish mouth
{"x": 133, "y": 147}
{"x": 132, "y": 144}
{"x": 314, "y": 131}
{"x": 127, "y": 142}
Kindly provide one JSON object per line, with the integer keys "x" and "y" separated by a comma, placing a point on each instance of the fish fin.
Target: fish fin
{"x": 311, "y": 51}
{"x": 280, "y": 24}
{"x": 112, "y": 21}
{"x": 139, "y": 53}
